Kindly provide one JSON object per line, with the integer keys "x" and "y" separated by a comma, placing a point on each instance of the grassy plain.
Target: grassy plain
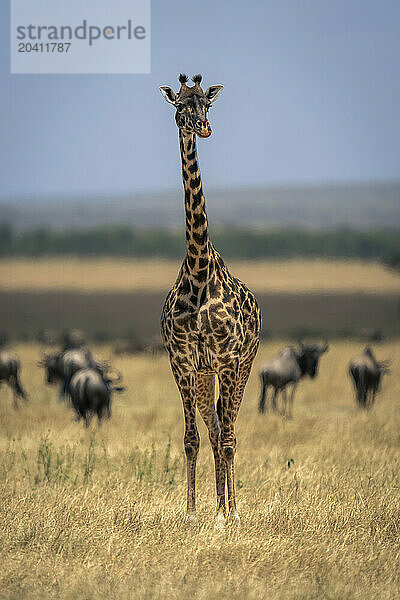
{"x": 99, "y": 514}
{"x": 274, "y": 276}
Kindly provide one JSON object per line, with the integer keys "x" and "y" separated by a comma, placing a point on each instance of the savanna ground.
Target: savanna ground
{"x": 99, "y": 513}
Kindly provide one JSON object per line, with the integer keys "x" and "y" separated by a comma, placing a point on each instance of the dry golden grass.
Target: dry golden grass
{"x": 291, "y": 276}
{"x": 98, "y": 514}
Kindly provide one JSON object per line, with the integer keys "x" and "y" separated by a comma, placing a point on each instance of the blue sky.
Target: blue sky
{"x": 312, "y": 94}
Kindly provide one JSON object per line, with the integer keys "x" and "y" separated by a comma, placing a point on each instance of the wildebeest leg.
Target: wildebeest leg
{"x": 79, "y": 413}
{"x": 364, "y": 396}
{"x": 274, "y": 406}
{"x": 186, "y": 385}
{"x": 88, "y": 418}
{"x": 205, "y": 392}
{"x": 65, "y": 389}
{"x": 366, "y": 399}
{"x": 291, "y": 398}
{"x": 354, "y": 379}
{"x": 374, "y": 392}
{"x": 263, "y": 396}
{"x": 360, "y": 391}
{"x": 18, "y": 388}
{"x": 371, "y": 398}
{"x": 99, "y": 413}
{"x": 11, "y": 383}
{"x": 63, "y": 392}
{"x": 284, "y": 402}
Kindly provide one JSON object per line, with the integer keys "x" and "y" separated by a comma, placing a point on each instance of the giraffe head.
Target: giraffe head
{"x": 192, "y": 105}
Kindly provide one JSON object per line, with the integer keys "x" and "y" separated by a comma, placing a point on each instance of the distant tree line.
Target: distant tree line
{"x": 234, "y": 243}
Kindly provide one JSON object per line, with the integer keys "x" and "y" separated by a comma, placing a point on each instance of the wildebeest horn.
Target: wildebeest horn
{"x": 105, "y": 365}
{"x": 117, "y": 373}
{"x": 324, "y": 345}
{"x": 385, "y": 365}
{"x": 43, "y": 361}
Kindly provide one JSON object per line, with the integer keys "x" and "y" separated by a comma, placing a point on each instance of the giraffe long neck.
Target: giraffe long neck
{"x": 197, "y": 237}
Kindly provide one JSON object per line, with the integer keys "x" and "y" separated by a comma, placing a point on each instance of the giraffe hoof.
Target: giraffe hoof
{"x": 220, "y": 522}
{"x": 191, "y": 520}
{"x": 236, "y": 519}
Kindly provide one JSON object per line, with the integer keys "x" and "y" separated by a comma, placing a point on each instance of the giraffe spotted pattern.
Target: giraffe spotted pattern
{"x": 210, "y": 321}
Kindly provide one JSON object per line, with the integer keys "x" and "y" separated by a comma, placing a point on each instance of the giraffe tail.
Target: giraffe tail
{"x": 219, "y": 408}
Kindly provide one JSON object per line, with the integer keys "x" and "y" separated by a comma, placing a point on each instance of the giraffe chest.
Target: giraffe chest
{"x": 206, "y": 331}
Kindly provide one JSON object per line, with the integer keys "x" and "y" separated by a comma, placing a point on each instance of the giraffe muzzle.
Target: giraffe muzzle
{"x": 203, "y": 130}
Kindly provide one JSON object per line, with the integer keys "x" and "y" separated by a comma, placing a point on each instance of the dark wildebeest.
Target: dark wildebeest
{"x": 61, "y": 366}
{"x": 9, "y": 372}
{"x": 91, "y": 393}
{"x": 128, "y": 346}
{"x": 288, "y": 368}
{"x": 135, "y": 346}
{"x": 73, "y": 339}
{"x": 47, "y": 337}
{"x": 366, "y": 373}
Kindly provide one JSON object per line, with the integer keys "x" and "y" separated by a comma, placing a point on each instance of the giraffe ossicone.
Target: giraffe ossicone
{"x": 210, "y": 321}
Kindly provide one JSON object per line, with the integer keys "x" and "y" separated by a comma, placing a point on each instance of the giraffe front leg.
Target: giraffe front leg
{"x": 186, "y": 386}
{"x": 228, "y": 381}
{"x": 242, "y": 378}
{"x": 205, "y": 392}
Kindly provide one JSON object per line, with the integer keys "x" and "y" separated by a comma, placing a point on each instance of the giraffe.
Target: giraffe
{"x": 210, "y": 321}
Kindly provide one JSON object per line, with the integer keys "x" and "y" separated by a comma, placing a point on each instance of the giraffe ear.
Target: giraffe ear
{"x": 168, "y": 94}
{"x": 213, "y": 92}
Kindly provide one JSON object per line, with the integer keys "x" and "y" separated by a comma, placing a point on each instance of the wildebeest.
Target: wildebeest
{"x": 288, "y": 368}
{"x": 74, "y": 338}
{"x": 366, "y": 373}
{"x": 9, "y": 372}
{"x": 91, "y": 393}
{"x": 3, "y": 338}
{"x": 154, "y": 346}
{"x": 61, "y": 366}
{"x": 128, "y": 346}
{"x": 47, "y": 337}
